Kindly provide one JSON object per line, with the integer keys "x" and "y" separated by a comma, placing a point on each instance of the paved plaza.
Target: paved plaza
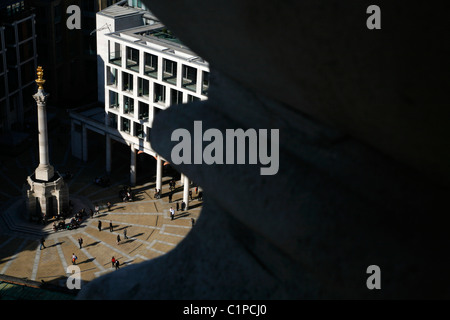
{"x": 150, "y": 230}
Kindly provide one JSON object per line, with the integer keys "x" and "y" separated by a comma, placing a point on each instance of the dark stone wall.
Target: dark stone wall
{"x": 364, "y": 161}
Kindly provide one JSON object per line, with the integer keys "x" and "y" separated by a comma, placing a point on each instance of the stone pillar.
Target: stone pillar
{"x": 182, "y": 179}
{"x": 44, "y": 171}
{"x": 158, "y": 172}
{"x": 133, "y": 166}
{"x": 108, "y": 153}
{"x": 85, "y": 143}
{"x": 186, "y": 191}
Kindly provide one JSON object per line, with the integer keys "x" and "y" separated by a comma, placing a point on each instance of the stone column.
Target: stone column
{"x": 158, "y": 172}
{"x": 108, "y": 153}
{"x": 133, "y": 166}
{"x": 186, "y": 191}
{"x": 44, "y": 171}
{"x": 182, "y": 179}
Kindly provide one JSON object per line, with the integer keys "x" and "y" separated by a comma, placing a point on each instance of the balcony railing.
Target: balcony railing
{"x": 115, "y": 58}
{"x": 133, "y": 65}
{"x": 170, "y": 77}
{"x": 189, "y": 84}
{"x": 150, "y": 71}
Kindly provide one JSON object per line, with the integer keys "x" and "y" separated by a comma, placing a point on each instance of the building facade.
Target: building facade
{"x": 18, "y": 60}
{"x": 142, "y": 69}
{"x": 69, "y": 55}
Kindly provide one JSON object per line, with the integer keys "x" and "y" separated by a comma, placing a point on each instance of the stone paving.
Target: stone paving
{"x": 150, "y": 230}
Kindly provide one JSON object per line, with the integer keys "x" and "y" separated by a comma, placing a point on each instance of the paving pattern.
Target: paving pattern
{"x": 150, "y": 230}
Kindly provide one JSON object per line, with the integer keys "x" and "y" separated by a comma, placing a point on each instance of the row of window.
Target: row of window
{"x": 158, "y": 92}
{"x": 131, "y": 127}
{"x": 189, "y": 78}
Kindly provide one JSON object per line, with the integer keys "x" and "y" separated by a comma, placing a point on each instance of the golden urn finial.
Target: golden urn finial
{"x": 40, "y": 82}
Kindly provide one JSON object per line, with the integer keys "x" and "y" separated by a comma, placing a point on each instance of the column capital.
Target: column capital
{"x": 41, "y": 97}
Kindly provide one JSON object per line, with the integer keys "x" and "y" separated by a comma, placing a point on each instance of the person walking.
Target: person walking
{"x": 96, "y": 209}
{"x": 113, "y": 261}
{"x": 170, "y": 197}
{"x": 99, "y": 225}
{"x": 183, "y": 205}
{"x": 125, "y": 233}
{"x": 193, "y": 222}
{"x": 172, "y": 213}
{"x": 80, "y": 241}
{"x": 42, "y": 243}
{"x": 117, "y": 264}
{"x": 110, "y": 226}
{"x": 108, "y": 204}
{"x": 74, "y": 258}
{"x": 118, "y": 239}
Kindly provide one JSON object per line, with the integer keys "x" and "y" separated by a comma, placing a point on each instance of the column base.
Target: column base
{"x": 44, "y": 172}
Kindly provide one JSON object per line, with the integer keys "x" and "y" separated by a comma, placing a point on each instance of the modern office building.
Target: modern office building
{"x": 142, "y": 69}
{"x": 18, "y": 62}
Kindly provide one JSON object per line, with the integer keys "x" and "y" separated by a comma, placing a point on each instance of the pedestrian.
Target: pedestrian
{"x": 92, "y": 213}
{"x": 74, "y": 258}
{"x": 99, "y": 225}
{"x": 190, "y": 194}
{"x": 170, "y": 197}
{"x": 108, "y": 204}
{"x": 193, "y": 222}
{"x": 183, "y": 205}
{"x": 117, "y": 264}
{"x": 110, "y": 226}
{"x": 97, "y": 209}
{"x": 125, "y": 233}
{"x": 196, "y": 190}
{"x": 42, "y": 243}
{"x": 172, "y": 213}
{"x": 113, "y": 261}
{"x": 80, "y": 241}
{"x": 118, "y": 239}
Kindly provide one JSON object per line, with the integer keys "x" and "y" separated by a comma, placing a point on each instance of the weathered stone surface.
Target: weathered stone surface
{"x": 344, "y": 198}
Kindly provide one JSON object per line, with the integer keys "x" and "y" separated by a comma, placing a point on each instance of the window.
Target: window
{"x": 25, "y": 29}
{"x": 170, "y": 71}
{"x": 148, "y": 133}
{"x": 143, "y": 111}
{"x": 127, "y": 82}
{"x": 28, "y": 73}
{"x": 113, "y": 99}
{"x": 111, "y": 76}
{"x": 189, "y": 78}
{"x": 192, "y": 98}
{"x": 128, "y": 105}
{"x": 139, "y": 130}
{"x": 176, "y": 97}
{"x": 150, "y": 65}
{"x": 26, "y": 51}
{"x": 159, "y": 94}
{"x": 205, "y": 82}
{"x": 132, "y": 59}
{"x": 112, "y": 120}
{"x": 143, "y": 87}
{"x": 125, "y": 125}
{"x": 115, "y": 55}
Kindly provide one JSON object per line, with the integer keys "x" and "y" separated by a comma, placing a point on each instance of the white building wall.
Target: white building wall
{"x": 106, "y": 24}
